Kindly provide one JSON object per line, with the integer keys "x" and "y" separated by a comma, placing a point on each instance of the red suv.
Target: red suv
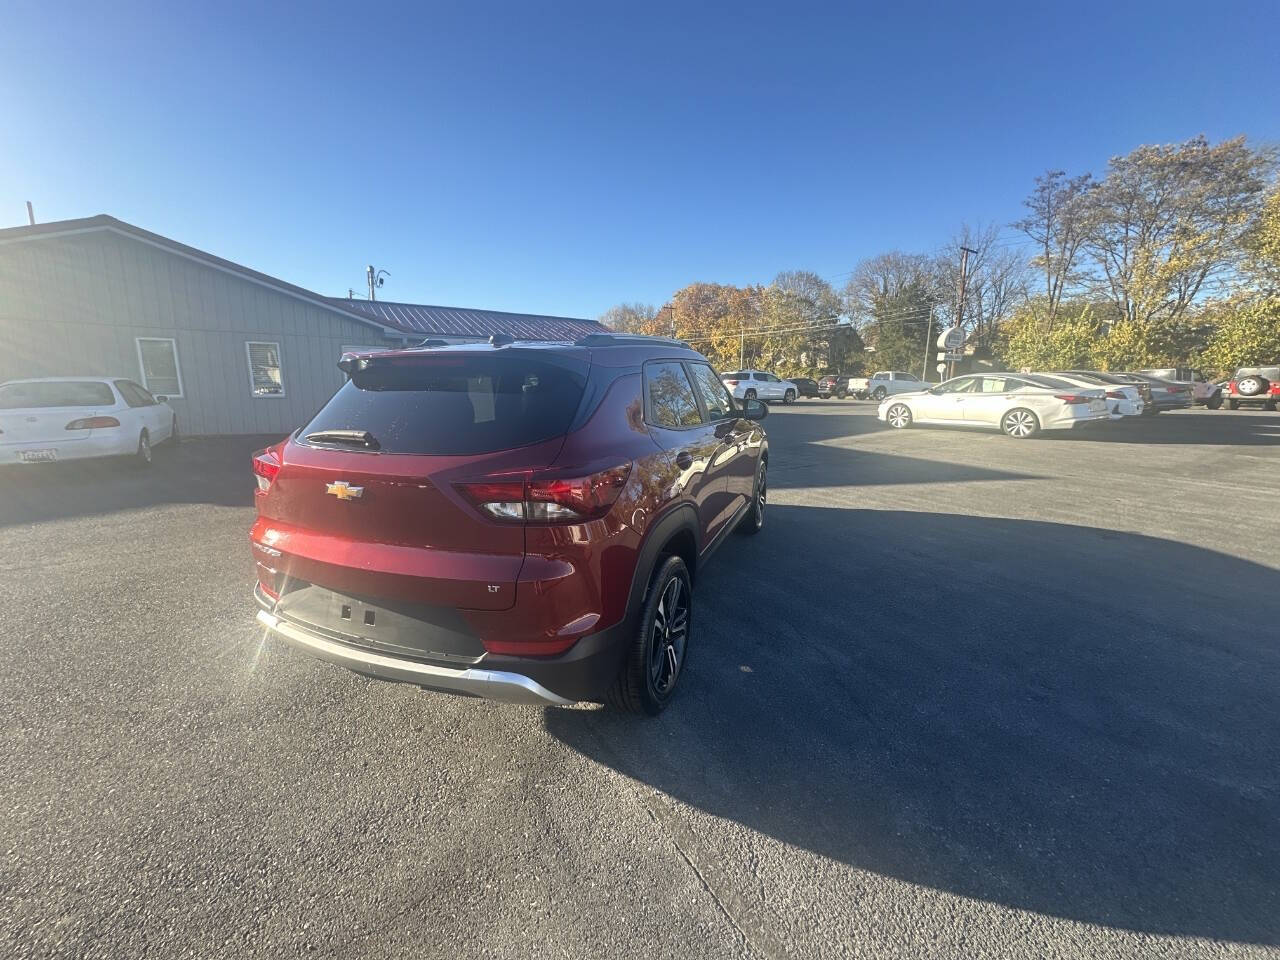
{"x": 521, "y": 522}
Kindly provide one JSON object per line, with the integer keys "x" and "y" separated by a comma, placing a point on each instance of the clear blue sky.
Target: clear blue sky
{"x": 554, "y": 159}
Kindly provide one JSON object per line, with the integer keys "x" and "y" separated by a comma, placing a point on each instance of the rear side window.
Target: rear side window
{"x": 456, "y": 404}
{"x": 671, "y": 402}
{"x": 69, "y": 393}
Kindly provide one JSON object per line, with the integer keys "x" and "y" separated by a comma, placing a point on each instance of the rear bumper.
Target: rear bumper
{"x": 584, "y": 672}
{"x": 99, "y": 443}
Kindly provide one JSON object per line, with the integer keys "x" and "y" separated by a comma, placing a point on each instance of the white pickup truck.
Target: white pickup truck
{"x": 886, "y": 383}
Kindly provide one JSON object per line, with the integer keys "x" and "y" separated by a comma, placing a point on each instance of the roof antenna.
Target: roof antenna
{"x": 31, "y": 214}
{"x": 501, "y": 340}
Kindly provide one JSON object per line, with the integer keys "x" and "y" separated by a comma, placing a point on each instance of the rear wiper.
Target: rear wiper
{"x": 355, "y": 438}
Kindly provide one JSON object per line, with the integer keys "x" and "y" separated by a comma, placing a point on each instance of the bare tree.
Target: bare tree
{"x": 997, "y": 281}
{"x": 888, "y": 278}
{"x": 1058, "y": 223}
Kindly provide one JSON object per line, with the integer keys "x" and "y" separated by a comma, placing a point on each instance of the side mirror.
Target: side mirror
{"x": 161, "y": 398}
{"x": 936, "y": 391}
{"x": 753, "y": 409}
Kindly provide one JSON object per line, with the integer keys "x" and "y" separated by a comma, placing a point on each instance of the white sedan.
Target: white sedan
{"x": 1123, "y": 399}
{"x": 1021, "y": 405}
{"x": 73, "y": 418}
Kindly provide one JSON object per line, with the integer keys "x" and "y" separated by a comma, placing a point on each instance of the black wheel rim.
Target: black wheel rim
{"x": 670, "y": 636}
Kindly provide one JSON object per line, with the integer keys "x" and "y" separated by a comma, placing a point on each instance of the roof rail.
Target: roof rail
{"x": 622, "y": 339}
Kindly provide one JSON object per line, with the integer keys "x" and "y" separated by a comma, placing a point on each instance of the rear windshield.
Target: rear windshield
{"x": 67, "y": 393}
{"x": 456, "y": 404}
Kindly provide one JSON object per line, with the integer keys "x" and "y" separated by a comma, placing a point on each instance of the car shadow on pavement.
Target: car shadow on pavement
{"x": 211, "y": 470}
{"x": 1222, "y": 428}
{"x": 1078, "y": 722}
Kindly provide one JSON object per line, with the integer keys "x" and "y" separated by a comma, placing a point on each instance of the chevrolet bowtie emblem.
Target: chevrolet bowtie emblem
{"x": 344, "y": 491}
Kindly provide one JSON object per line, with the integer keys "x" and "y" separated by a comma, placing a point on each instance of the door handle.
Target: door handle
{"x": 684, "y": 460}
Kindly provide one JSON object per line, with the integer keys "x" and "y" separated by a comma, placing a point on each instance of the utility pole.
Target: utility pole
{"x": 964, "y": 281}
{"x": 742, "y": 344}
{"x": 375, "y": 278}
{"x": 928, "y": 346}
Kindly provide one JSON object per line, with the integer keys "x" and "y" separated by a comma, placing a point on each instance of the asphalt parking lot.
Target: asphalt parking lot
{"x": 964, "y": 696}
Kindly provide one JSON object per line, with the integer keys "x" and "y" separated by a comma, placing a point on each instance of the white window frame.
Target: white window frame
{"x": 248, "y": 359}
{"x": 177, "y": 364}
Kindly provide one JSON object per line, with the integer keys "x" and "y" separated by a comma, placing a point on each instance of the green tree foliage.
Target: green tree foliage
{"x": 1246, "y": 333}
{"x": 1031, "y": 342}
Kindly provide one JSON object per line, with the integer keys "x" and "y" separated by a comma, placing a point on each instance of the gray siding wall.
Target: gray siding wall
{"x": 74, "y": 304}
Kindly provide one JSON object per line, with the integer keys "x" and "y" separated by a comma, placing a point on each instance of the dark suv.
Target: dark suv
{"x": 517, "y": 521}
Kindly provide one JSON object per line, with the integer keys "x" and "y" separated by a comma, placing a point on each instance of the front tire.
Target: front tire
{"x": 753, "y": 522}
{"x": 1233, "y": 404}
{"x": 898, "y": 416}
{"x": 660, "y": 647}
{"x": 1020, "y": 423}
{"x": 789, "y": 397}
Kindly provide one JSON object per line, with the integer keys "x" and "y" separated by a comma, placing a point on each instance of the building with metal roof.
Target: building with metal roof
{"x": 235, "y": 350}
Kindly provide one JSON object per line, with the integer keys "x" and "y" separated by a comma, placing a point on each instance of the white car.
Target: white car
{"x": 744, "y": 384}
{"x": 886, "y": 383}
{"x": 1021, "y": 405}
{"x": 1123, "y": 399}
{"x": 72, "y": 418}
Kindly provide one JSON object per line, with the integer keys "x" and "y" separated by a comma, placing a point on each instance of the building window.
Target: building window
{"x": 158, "y": 358}
{"x": 264, "y": 369}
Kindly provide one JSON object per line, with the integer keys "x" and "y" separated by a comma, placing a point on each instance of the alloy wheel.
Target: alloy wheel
{"x": 670, "y": 634}
{"x": 1019, "y": 423}
{"x": 899, "y": 416}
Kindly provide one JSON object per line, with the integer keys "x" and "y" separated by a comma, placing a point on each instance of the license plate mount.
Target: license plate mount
{"x": 37, "y": 456}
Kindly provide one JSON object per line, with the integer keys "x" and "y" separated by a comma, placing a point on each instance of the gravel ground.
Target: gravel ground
{"x": 964, "y": 696}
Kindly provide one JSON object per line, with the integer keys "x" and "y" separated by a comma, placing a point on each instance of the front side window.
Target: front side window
{"x": 133, "y": 395}
{"x": 265, "y": 379}
{"x": 158, "y": 358}
{"x": 715, "y": 398}
{"x": 671, "y": 402}
{"x": 961, "y": 385}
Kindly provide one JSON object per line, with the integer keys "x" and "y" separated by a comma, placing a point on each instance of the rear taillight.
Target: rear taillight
{"x": 1115, "y": 395}
{"x": 1071, "y": 398}
{"x": 1275, "y": 386}
{"x": 1231, "y": 387}
{"x": 731, "y": 383}
{"x": 546, "y": 498}
{"x": 1175, "y": 389}
{"x": 93, "y": 423}
{"x": 266, "y": 467}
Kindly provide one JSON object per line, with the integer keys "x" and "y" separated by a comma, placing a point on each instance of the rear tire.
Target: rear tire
{"x": 789, "y": 397}
{"x": 1214, "y": 402}
{"x": 175, "y": 437}
{"x": 659, "y": 649}
{"x": 1020, "y": 424}
{"x": 1269, "y": 406}
{"x": 1233, "y": 404}
{"x": 879, "y": 394}
{"x": 143, "y": 457}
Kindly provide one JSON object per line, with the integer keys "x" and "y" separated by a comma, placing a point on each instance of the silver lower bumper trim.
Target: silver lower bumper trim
{"x": 490, "y": 684}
